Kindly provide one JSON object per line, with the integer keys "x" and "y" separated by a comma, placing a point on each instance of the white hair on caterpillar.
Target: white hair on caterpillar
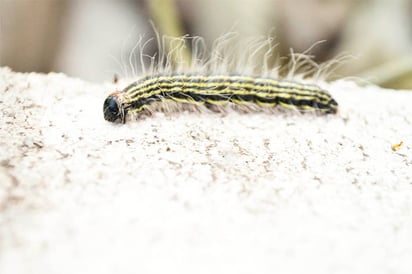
{"x": 254, "y": 77}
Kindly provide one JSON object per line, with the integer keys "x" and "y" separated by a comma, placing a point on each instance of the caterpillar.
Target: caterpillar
{"x": 216, "y": 90}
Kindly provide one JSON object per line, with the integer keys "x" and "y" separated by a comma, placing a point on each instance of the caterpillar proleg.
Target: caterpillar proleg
{"x": 214, "y": 90}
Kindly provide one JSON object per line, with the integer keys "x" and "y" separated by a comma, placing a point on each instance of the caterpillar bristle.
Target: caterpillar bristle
{"x": 228, "y": 77}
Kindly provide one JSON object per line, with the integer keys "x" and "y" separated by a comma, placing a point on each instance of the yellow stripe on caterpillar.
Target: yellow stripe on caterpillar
{"x": 210, "y": 88}
{"x": 200, "y": 81}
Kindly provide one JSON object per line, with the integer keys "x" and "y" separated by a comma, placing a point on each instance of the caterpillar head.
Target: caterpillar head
{"x": 113, "y": 108}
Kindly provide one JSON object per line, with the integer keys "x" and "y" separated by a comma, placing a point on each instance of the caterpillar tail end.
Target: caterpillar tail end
{"x": 113, "y": 109}
{"x": 333, "y": 106}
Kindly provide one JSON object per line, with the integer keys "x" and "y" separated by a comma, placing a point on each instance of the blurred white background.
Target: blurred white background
{"x": 88, "y": 38}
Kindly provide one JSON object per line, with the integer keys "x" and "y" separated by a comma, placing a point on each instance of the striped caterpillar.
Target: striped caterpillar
{"x": 205, "y": 89}
{"x": 216, "y": 90}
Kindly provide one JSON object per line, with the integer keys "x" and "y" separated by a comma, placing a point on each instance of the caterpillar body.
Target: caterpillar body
{"x": 215, "y": 91}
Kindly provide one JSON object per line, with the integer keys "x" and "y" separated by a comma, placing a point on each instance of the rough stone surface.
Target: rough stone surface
{"x": 202, "y": 193}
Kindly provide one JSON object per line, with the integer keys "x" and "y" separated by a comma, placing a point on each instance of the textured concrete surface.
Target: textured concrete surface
{"x": 202, "y": 193}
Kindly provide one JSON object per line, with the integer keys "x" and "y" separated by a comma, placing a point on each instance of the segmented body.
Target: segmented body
{"x": 217, "y": 90}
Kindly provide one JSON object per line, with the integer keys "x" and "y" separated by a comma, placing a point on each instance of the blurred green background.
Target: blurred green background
{"x": 87, "y": 38}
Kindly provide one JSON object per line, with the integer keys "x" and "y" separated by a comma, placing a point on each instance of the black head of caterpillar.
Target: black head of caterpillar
{"x": 113, "y": 108}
